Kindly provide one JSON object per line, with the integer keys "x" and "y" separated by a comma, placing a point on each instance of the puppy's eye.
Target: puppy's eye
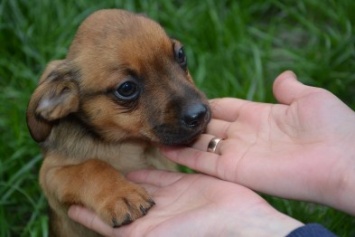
{"x": 127, "y": 91}
{"x": 180, "y": 57}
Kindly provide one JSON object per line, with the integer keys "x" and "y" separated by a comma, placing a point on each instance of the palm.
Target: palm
{"x": 202, "y": 194}
{"x": 302, "y": 134}
{"x": 195, "y": 205}
{"x": 184, "y": 199}
{"x": 284, "y": 149}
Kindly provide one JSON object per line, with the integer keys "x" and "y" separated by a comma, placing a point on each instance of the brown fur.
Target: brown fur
{"x": 91, "y": 136}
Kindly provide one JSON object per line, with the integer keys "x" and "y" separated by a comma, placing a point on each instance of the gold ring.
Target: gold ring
{"x": 212, "y": 145}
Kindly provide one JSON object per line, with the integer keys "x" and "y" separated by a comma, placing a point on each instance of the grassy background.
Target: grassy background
{"x": 235, "y": 48}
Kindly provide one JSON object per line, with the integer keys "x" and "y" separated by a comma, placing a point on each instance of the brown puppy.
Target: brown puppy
{"x": 123, "y": 88}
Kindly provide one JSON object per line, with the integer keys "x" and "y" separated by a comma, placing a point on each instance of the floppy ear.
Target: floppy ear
{"x": 56, "y": 96}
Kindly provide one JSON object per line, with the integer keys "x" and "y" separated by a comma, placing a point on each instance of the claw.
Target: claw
{"x": 127, "y": 220}
{"x": 115, "y": 223}
{"x": 151, "y": 202}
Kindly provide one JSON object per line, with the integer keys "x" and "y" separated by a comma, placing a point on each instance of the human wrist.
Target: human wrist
{"x": 282, "y": 225}
{"x": 345, "y": 189}
{"x": 340, "y": 194}
{"x": 258, "y": 221}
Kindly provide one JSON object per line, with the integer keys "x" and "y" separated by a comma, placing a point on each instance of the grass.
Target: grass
{"x": 235, "y": 48}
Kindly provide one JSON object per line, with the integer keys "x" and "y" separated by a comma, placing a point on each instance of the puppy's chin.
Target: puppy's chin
{"x": 177, "y": 137}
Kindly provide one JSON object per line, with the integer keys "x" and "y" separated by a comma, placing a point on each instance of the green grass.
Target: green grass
{"x": 235, "y": 48}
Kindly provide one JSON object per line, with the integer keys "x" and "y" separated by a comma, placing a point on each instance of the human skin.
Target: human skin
{"x": 301, "y": 148}
{"x": 195, "y": 205}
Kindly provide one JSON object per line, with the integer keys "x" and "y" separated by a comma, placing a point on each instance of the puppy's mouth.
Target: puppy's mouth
{"x": 185, "y": 132}
{"x": 173, "y": 137}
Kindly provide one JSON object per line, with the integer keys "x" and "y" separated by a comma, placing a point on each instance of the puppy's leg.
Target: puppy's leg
{"x": 97, "y": 185}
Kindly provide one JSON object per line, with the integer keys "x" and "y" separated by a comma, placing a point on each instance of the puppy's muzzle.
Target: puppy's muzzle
{"x": 195, "y": 115}
{"x": 191, "y": 121}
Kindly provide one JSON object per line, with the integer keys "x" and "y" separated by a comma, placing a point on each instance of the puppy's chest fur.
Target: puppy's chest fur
{"x": 75, "y": 144}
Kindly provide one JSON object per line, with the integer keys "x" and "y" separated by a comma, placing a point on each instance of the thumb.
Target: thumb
{"x": 287, "y": 88}
{"x": 90, "y": 220}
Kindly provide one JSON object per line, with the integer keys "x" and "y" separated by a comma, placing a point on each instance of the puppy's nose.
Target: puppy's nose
{"x": 194, "y": 115}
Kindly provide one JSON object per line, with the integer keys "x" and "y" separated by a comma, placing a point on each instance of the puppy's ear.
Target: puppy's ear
{"x": 56, "y": 96}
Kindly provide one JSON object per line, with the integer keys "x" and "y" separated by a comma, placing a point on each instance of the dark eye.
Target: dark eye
{"x": 127, "y": 91}
{"x": 181, "y": 57}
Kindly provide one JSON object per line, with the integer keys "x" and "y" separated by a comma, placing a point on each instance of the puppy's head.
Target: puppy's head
{"x": 123, "y": 78}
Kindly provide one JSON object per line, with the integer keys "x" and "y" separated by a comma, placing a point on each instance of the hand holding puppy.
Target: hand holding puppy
{"x": 195, "y": 205}
{"x": 301, "y": 148}
{"x": 293, "y": 149}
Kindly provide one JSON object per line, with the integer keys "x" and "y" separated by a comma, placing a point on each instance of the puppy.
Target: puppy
{"x": 123, "y": 88}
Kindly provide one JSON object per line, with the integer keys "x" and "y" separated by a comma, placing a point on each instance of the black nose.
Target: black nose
{"x": 194, "y": 115}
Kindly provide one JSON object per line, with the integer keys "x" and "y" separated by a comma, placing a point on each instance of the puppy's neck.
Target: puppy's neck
{"x": 75, "y": 142}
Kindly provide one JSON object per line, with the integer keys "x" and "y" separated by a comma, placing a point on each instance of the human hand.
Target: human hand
{"x": 302, "y": 148}
{"x": 195, "y": 205}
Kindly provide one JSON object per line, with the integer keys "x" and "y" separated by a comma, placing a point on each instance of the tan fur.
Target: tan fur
{"x": 91, "y": 136}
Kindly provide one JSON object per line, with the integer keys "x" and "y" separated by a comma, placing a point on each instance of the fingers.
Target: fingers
{"x": 287, "y": 88}
{"x": 201, "y": 161}
{"x": 218, "y": 128}
{"x": 89, "y": 219}
{"x": 196, "y": 157}
{"x": 202, "y": 142}
{"x": 154, "y": 178}
{"x": 227, "y": 108}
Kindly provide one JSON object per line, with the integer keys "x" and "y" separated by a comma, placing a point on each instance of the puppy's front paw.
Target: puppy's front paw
{"x": 124, "y": 205}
